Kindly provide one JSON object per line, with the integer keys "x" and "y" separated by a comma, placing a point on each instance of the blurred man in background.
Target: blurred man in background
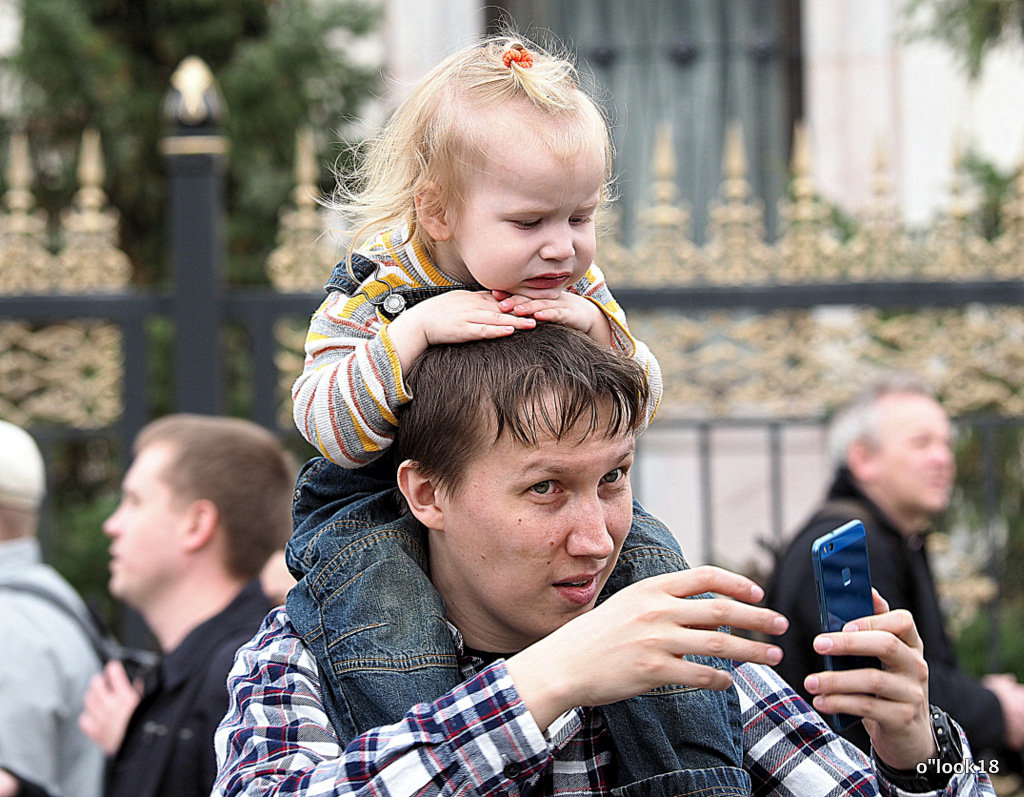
{"x": 48, "y": 639}
{"x": 204, "y": 504}
{"x": 891, "y": 447}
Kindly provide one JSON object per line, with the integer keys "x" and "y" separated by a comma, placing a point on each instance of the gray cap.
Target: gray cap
{"x": 22, "y": 473}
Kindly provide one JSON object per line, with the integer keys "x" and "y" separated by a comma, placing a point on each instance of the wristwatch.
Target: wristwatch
{"x": 934, "y": 773}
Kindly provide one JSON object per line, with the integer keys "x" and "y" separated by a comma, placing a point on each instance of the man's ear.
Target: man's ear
{"x": 422, "y": 495}
{"x": 202, "y": 522}
{"x": 860, "y": 460}
{"x": 431, "y": 214}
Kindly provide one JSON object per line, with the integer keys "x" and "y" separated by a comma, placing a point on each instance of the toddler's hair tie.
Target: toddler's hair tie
{"x": 519, "y": 55}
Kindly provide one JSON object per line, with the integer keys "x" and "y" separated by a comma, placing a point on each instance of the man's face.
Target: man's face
{"x": 142, "y": 530}
{"x": 530, "y": 537}
{"x": 910, "y": 475}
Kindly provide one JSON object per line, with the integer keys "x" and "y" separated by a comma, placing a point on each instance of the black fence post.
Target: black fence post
{"x": 195, "y": 153}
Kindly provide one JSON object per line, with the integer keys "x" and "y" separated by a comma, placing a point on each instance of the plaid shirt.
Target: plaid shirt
{"x": 479, "y": 739}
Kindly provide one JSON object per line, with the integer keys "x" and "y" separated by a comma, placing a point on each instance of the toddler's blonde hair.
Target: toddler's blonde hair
{"x": 440, "y": 132}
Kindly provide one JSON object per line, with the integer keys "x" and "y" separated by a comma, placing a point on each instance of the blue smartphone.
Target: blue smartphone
{"x": 842, "y": 578}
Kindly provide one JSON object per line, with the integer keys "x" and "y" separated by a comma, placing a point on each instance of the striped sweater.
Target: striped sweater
{"x": 351, "y": 384}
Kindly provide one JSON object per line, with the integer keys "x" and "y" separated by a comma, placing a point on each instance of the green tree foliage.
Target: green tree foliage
{"x": 280, "y": 64}
{"x": 994, "y": 187}
{"x": 972, "y": 28}
{"x": 108, "y": 64}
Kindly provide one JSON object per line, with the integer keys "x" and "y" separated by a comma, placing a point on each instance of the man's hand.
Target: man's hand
{"x": 893, "y": 701}
{"x": 452, "y": 317}
{"x": 1011, "y": 700}
{"x": 12, "y": 785}
{"x": 636, "y": 640}
{"x": 109, "y": 703}
{"x": 568, "y": 308}
{"x": 9, "y": 785}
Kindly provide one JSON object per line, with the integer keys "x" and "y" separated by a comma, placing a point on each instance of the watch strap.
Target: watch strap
{"x": 935, "y": 772}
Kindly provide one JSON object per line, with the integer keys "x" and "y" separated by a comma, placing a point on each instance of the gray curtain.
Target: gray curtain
{"x": 697, "y": 64}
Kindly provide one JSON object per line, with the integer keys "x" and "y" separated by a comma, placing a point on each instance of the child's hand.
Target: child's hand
{"x": 570, "y": 309}
{"x": 452, "y": 317}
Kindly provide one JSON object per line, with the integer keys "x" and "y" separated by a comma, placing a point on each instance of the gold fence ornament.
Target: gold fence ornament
{"x": 1010, "y": 245}
{"x": 664, "y": 253}
{"x": 952, "y": 248}
{"x": 68, "y": 373}
{"x": 736, "y": 252}
{"x": 62, "y": 374}
{"x": 26, "y": 263}
{"x": 807, "y": 246}
{"x": 303, "y": 257}
{"x": 878, "y": 249}
{"x": 90, "y": 259}
{"x": 715, "y": 364}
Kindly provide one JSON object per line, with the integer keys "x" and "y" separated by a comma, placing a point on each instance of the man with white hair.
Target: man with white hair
{"x": 891, "y": 447}
{"x": 50, "y": 657}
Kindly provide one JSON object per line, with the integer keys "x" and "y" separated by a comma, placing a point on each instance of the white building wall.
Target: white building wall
{"x": 10, "y": 26}
{"x": 668, "y": 482}
{"x": 419, "y": 33}
{"x": 868, "y": 84}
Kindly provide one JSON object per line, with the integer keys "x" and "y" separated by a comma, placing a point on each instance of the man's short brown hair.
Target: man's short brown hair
{"x": 242, "y": 469}
{"x": 535, "y": 382}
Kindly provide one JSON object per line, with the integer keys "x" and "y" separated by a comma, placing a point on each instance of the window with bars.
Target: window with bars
{"x": 699, "y": 65}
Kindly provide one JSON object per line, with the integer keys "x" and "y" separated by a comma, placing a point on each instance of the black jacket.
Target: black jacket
{"x": 900, "y": 573}
{"x": 168, "y": 746}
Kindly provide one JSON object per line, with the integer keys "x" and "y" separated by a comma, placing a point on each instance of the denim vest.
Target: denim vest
{"x": 365, "y": 606}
